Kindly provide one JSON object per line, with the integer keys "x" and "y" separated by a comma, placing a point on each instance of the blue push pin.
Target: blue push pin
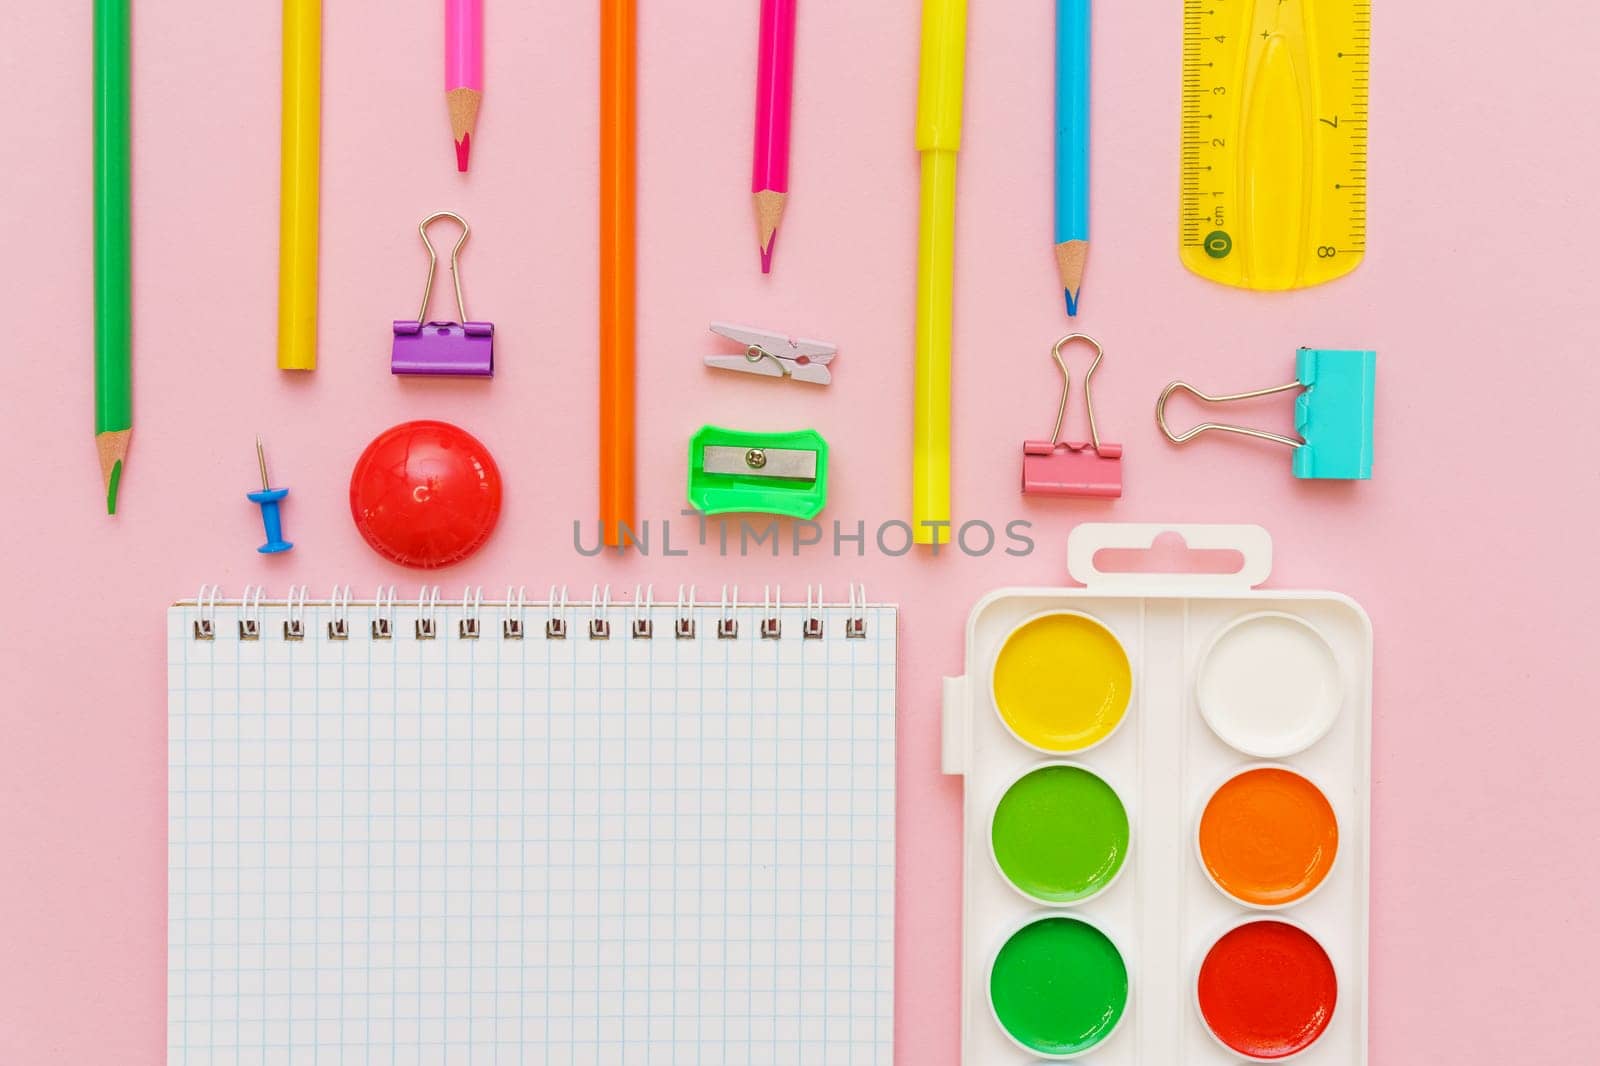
{"x": 268, "y": 499}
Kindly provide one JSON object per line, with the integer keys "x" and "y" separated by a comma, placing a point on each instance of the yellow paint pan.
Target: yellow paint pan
{"x": 1061, "y": 682}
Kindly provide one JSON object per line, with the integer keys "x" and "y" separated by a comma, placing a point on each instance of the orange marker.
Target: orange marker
{"x": 618, "y": 50}
{"x": 1268, "y": 837}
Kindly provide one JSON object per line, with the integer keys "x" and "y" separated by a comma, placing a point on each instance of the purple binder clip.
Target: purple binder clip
{"x": 1056, "y": 467}
{"x": 453, "y": 349}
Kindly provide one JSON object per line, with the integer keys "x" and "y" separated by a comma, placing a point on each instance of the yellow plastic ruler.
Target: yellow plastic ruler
{"x": 1274, "y": 191}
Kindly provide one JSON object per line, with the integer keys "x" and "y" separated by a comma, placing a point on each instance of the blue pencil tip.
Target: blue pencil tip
{"x": 1072, "y": 302}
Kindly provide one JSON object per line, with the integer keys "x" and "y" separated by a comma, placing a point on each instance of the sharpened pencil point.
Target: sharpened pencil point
{"x": 112, "y": 446}
{"x": 1070, "y": 259}
{"x": 464, "y": 104}
{"x": 769, "y": 212}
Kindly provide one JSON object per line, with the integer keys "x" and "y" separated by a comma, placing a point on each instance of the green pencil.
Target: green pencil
{"x": 113, "y": 296}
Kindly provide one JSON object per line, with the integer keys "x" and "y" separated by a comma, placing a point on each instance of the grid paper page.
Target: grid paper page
{"x": 489, "y": 850}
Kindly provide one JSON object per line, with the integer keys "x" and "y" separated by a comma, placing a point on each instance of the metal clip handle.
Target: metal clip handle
{"x": 1066, "y": 386}
{"x": 1245, "y": 431}
{"x": 433, "y": 263}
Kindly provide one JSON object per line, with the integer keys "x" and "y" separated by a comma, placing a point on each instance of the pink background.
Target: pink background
{"x": 1477, "y": 291}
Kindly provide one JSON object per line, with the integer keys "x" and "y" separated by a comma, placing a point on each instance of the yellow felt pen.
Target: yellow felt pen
{"x": 944, "y": 46}
{"x": 299, "y": 190}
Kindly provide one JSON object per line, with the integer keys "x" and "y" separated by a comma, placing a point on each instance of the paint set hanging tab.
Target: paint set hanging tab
{"x": 1166, "y": 812}
{"x": 443, "y": 349}
{"x": 1057, "y": 467}
{"x": 1333, "y": 414}
{"x": 1274, "y": 160}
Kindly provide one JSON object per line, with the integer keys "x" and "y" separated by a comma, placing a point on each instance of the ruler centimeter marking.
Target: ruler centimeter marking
{"x": 1274, "y": 121}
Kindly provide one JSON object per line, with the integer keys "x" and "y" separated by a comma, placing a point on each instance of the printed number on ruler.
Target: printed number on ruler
{"x": 1274, "y": 140}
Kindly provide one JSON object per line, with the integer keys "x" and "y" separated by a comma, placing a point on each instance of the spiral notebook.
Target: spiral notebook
{"x": 513, "y": 832}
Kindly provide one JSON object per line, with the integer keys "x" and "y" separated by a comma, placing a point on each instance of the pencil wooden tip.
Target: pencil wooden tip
{"x": 464, "y": 104}
{"x": 1070, "y": 259}
{"x": 769, "y": 212}
{"x": 113, "y": 449}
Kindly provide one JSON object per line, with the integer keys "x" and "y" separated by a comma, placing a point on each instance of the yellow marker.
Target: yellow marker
{"x": 1274, "y": 192}
{"x": 1062, "y": 682}
{"x": 299, "y": 193}
{"x": 944, "y": 46}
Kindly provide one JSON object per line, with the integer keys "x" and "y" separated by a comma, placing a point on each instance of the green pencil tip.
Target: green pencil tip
{"x": 111, "y": 487}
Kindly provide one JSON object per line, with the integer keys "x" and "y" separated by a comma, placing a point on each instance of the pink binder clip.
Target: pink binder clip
{"x": 1056, "y": 467}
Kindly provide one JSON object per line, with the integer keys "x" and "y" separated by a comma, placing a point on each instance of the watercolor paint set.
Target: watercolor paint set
{"x": 1166, "y": 814}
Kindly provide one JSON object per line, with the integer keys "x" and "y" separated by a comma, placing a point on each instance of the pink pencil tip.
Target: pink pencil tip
{"x": 766, "y": 254}
{"x": 463, "y": 152}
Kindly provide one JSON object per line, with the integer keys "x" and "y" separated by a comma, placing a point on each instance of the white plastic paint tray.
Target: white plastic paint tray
{"x": 1163, "y": 911}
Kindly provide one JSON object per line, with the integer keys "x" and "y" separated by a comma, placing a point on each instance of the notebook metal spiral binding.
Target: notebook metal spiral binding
{"x": 427, "y": 620}
{"x": 250, "y": 613}
{"x": 855, "y": 623}
{"x": 516, "y": 607}
{"x": 339, "y": 606}
{"x": 558, "y": 613}
{"x": 683, "y": 623}
{"x": 813, "y": 624}
{"x": 643, "y": 627}
{"x": 205, "y": 623}
{"x": 599, "y": 624}
{"x": 383, "y": 614}
{"x": 471, "y": 608}
{"x": 294, "y": 625}
{"x": 771, "y": 608}
{"x": 727, "y": 624}
{"x": 555, "y": 626}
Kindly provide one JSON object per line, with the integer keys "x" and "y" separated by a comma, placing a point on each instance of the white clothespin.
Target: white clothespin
{"x": 774, "y": 355}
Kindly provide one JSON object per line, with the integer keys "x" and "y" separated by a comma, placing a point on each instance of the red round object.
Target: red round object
{"x": 1267, "y": 989}
{"x": 425, "y": 494}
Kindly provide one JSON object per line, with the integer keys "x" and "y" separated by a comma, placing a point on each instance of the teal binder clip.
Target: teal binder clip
{"x": 731, "y": 471}
{"x": 1333, "y": 413}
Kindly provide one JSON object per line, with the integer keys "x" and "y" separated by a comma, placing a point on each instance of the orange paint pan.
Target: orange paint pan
{"x": 1268, "y": 837}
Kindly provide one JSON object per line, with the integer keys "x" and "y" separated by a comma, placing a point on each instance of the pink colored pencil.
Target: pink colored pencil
{"x": 463, "y": 72}
{"x": 769, "y": 180}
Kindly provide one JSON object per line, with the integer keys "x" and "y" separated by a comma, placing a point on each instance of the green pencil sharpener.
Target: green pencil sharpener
{"x": 731, "y": 471}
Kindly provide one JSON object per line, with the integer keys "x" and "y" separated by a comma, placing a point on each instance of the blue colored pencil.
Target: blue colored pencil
{"x": 1072, "y": 145}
